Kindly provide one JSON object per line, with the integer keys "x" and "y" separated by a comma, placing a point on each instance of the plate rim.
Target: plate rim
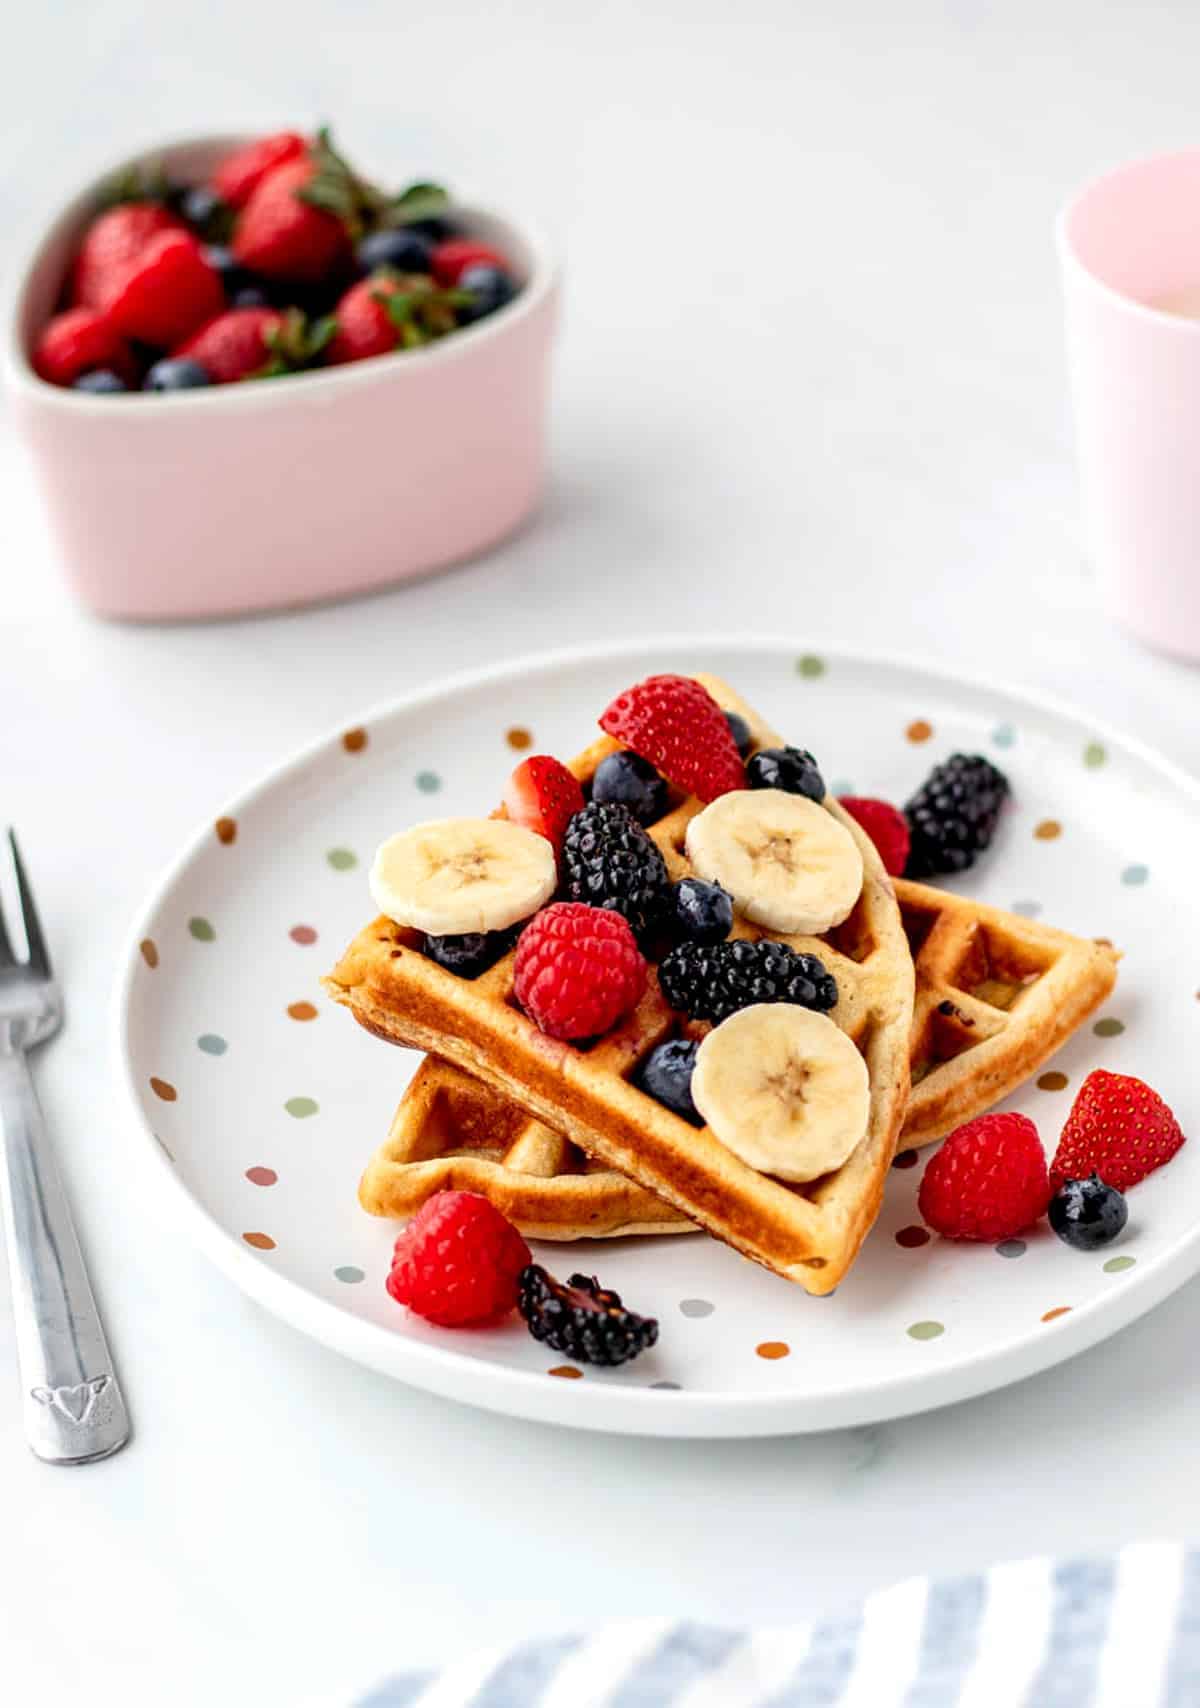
{"x": 458, "y": 1375}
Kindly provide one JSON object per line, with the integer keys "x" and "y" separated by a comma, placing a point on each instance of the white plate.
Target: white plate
{"x": 259, "y": 1123}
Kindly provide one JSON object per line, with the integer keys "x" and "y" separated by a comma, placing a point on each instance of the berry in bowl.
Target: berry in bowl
{"x": 355, "y": 378}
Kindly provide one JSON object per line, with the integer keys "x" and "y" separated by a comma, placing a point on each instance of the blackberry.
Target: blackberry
{"x": 609, "y": 861}
{"x": 632, "y": 782}
{"x": 712, "y": 981}
{"x": 471, "y": 953}
{"x": 666, "y": 1075}
{"x": 792, "y": 769}
{"x": 953, "y": 815}
{"x": 1088, "y": 1214}
{"x": 584, "y": 1320}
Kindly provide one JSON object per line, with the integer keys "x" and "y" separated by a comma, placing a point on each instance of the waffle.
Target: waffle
{"x": 809, "y": 1234}
{"x": 996, "y": 995}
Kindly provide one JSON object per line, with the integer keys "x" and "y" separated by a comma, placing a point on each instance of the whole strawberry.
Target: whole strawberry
{"x": 281, "y": 235}
{"x": 165, "y": 291}
{"x": 543, "y": 796}
{"x": 458, "y": 1262}
{"x": 389, "y": 311}
{"x": 988, "y": 1181}
{"x": 1119, "y": 1129}
{"x": 240, "y": 173}
{"x": 578, "y": 970}
{"x": 80, "y": 341}
{"x": 887, "y": 827}
{"x": 234, "y": 345}
{"x": 112, "y": 241}
{"x": 674, "y": 722}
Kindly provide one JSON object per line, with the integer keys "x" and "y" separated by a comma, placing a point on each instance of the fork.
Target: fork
{"x": 73, "y": 1408}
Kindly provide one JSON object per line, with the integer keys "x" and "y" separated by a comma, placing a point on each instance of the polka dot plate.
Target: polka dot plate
{"x": 261, "y": 1102}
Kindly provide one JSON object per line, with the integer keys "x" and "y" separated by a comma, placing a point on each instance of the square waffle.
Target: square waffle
{"x": 809, "y": 1234}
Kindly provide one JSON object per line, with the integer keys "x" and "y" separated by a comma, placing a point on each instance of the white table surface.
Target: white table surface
{"x": 811, "y": 382}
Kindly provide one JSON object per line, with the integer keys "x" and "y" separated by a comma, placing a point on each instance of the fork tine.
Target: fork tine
{"x": 7, "y": 958}
{"x": 39, "y": 958}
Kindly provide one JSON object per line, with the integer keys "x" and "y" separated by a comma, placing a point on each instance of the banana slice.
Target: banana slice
{"x": 463, "y": 874}
{"x": 787, "y": 863}
{"x": 784, "y": 1089}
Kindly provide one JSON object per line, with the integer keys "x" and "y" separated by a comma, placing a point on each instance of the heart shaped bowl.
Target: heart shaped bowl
{"x": 248, "y": 497}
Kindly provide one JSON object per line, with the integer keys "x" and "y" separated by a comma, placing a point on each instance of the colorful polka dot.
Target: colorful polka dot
{"x": 303, "y": 934}
{"x": 1058, "y": 1311}
{"x": 259, "y": 1176}
{"x": 1011, "y": 1248}
{"x": 301, "y": 1107}
{"x": 697, "y": 1307}
{"x": 905, "y": 1159}
{"x": 1109, "y": 1027}
{"x": 919, "y": 730}
{"x": 342, "y": 859}
{"x": 1094, "y": 755}
{"x": 201, "y": 929}
{"x": 1052, "y": 1082}
{"x": 925, "y": 1330}
{"x": 212, "y": 1044}
{"x": 1135, "y": 874}
{"x": 149, "y": 949}
{"x": 350, "y": 1273}
{"x": 810, "y": 666}
{"x": 354, "y": 740}
{"x": 518, "y": 738}
{"x": 1027, "y": 909}
{"x": 226, "y": 829}
{"x": 163, "y": 1088}
{"x": 429, "y": 783}
{"x": 666, "y": 1387}
{"x": 1116, "y": 1265}
{"x": 1004, "y": 735}
{"x": 912, "y": 1237}
{"x": 1047, "y": 830}
{"x": 773, "y": 1349}
{"x": 260, "y": 1242}
{"x": 567, "y": 1371}
{"x": 302, "y": 1010}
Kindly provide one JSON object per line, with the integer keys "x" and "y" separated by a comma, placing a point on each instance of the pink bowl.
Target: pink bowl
{"x": 244, "y": 497}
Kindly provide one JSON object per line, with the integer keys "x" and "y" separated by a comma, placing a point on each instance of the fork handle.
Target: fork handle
{"x": 73, "y": 1408}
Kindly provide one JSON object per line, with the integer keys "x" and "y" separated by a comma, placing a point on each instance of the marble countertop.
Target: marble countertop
{"x": 811, "y": 382}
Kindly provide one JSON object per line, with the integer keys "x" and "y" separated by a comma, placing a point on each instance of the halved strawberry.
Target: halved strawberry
{"x": 1119, "y": 1129}
{"x": 676, "y": 724}
{"x": 543, "y": 796}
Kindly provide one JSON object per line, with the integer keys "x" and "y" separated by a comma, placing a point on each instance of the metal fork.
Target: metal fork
{"x": 74, "y": 1411}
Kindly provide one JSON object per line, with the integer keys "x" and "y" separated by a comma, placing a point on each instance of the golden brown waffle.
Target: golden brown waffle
{"x": 809, "y": 1234}
{"x": 996, "y": 995}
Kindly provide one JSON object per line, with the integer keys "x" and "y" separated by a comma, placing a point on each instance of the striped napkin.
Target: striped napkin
{"x": 1118, "y": 1632}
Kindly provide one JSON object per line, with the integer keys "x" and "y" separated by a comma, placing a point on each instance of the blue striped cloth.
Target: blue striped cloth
{"x": 1118, "y": 1632}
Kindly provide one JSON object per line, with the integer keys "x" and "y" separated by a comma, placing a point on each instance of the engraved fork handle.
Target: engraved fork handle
{"x": 74, "y": 1411}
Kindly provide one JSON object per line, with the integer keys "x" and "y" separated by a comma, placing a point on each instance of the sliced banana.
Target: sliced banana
{"x": 787, "y": 863}
{"x": 463, "y": 874}
{"x": 784, "y": 1089}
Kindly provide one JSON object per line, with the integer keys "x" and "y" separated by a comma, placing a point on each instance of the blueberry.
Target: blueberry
{"x": 435, "y": 228}
{"x": 739, "y": 729}
{"x": 234, "y": 277}
{"x": 100, "y": 381}
{"x": 204, "y": 210}
{"x": 1088, "y": 1214}
{"x": 470, "y": 954}
{"x": 788, "y": 768}
{"x": 175, "y": 373}
{"x": 490, "y": 289}
{"x": 698, "y": 912}
{"x": 404, "y": 249}
{"x": 250, "y": 296}
{"x": 632, "y": 782}
{"x": 666, "y": 1075}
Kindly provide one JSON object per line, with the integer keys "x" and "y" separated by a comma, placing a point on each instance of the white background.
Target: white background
{"x": 810, "y": 382}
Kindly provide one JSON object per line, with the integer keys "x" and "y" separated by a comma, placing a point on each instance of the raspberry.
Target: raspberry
{"x": 677, "y": 725}
{"x": 887, "y": 827}
{"x": 458, "y": 1261}
{"x": 578, "y": 969}
{"x": 988, "y": 1181}
{"x": 1119, "y": 1129}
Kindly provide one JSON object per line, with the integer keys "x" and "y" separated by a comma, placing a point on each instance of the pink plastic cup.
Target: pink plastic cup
{"x": 1128, "y": 243}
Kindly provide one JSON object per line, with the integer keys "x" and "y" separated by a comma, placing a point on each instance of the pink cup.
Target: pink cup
{"x": 1127, "y": 242}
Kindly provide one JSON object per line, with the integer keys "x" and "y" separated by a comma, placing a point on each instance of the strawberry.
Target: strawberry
{"x": 388, "y": 311}
{"x": 110, "y": 244}
{"x": 677, "y": 725}
{"x": 281, "y": 236}
{"x": 166, "y": 291}
{"x": 77, "y": 341}
{"x": 543, "y": 796}
{"x": 887, "y": 827}
{"x": 248, "y": 343}
{"x": 452, "y": 258}
{"x": 988, "y": 1181}
{"x": 240, "y": 173}
{"x": 1119, "y": 1129}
